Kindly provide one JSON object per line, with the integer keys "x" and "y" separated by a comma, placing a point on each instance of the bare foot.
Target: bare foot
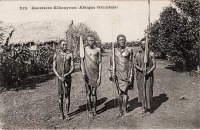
{"x": 142, "y": 111}
{"x": 126, "y": 114}
{"x": 62, "y": 117}
{"x": 147, "y": 113}
{"x": 68, "y": 118}
{"x": 91, "y": 115}
{"x": 119, "y": 114}
{"x": 94, "y": 114}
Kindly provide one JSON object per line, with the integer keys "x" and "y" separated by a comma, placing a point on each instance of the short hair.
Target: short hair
{"x": 90, "y": 35}
{"x": 143, "y": 39}
{"x": 121, "y": 35}
{"x": 61, "y": 41}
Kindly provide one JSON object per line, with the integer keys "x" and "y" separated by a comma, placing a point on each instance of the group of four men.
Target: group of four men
{"x": 121, "y": 72}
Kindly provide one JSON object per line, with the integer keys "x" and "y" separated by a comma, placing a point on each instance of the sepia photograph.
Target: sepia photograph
{"x": 100, "y": 64}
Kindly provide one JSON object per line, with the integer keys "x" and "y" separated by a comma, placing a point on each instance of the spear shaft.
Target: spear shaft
{"x": 82, "y": 56}
{"x": 146, "y": 58}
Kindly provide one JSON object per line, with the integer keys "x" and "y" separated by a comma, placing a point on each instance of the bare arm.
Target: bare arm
{"x": 71, "y": 66}
{"x": 136, "y": 65}
{"x": 154, "y": 63}
{"x": 131, "y": 60}
{"x": 100, "y": 67}
{"x": 110, "y": 65}
{"x": 100, "y": 63}
{"x": 54, "y": 67}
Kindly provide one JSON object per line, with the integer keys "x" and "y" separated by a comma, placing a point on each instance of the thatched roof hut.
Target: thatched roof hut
{"x": 37, "y": 32}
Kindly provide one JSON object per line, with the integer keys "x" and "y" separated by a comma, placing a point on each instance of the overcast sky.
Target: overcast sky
{"x": 130, "y": 18}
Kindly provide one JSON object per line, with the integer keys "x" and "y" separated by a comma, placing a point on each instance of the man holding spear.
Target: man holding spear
{"x": 121, "y": 72}
{"x": 91, "y": 68}
{"x": 145, "y": 65}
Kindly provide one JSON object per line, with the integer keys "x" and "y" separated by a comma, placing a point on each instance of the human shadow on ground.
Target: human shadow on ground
{"x": 158, "y": 100}
{"x": 156, "y": 103}
{"x": 174, "y": 68}
{"x": 83, "y": 108}
{"x": 108, "y": 105}
{"x": 133, "y": 104}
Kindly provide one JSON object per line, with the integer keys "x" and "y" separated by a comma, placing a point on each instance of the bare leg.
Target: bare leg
{"x": 88, "y": 96}
{"x": 94, "y": 97}
{"x": 125, "y": 100}
{"x": 89, "y": 101}
{"x": 67, "y": 107}
{"x": 62, "y": 116}
{"x": 120, "y": 100}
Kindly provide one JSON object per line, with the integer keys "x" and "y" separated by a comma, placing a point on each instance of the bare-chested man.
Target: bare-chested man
{"x": 91, "y": 71}
{"x": 145, "y": 92}
{"x": 123, "y": 73}
{"x": 63, "y": 66}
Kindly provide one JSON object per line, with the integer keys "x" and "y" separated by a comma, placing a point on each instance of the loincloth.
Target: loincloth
{"x": 64, "y": 87}
{"x": 92, "y": 71}
{"x": 123, "y": 85}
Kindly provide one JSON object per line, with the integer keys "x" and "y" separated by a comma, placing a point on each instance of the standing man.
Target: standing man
{"x": 63, "y": 66}
{"x": 123, "y": 73}
{"x": 91, "y": 68}
{"x": 145, "y": 88}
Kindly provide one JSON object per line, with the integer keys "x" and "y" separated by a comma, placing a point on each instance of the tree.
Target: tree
{"x": 191, "y": 10}
{"x": 75, "y": 31}
{"x": 176, "y": 34}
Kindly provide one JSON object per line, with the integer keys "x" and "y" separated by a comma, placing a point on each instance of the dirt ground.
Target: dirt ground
{"x": 176, "y": 104}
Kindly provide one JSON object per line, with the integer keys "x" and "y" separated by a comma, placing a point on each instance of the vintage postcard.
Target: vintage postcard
{"x": 87, "y": 64}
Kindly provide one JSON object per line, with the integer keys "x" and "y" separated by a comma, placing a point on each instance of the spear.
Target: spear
{"x": 113, "y": 57}
{"x": 146, "y": 43}
{"x": 82, "y": 50}
{"x": 113, "y": 68}
{"x": 82, "y": 56}
{"x": 146, "y": 58}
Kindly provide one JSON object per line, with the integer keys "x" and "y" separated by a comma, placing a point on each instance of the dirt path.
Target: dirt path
{"x": 38, "y": 108}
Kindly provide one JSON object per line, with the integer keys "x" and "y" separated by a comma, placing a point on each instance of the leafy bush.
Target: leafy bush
{"x": 42, "y": 61}
{"x": 19, "y": 62}
{"x": 15, "y": 65}
{"x": 107, "y": 45}
{"x": 132, "y": 44}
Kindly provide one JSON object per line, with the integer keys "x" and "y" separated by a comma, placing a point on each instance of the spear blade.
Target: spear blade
{"x": 82, "y": 51}
{"x": 146, "y": 50}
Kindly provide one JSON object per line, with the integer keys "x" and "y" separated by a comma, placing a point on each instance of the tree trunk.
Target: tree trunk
{"x": 198, "y": 66}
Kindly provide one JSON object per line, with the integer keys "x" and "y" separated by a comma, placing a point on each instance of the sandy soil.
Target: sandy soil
{"x": 176, "y": 104}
